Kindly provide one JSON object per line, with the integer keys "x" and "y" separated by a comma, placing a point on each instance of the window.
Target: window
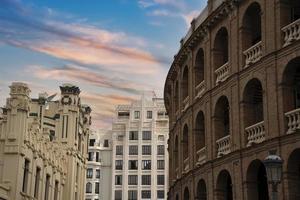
{"x": 56, "y": 190}
{"x": 149, "y": 114}
{"x": 88, "y": 188}
{"x": 146, "y": 164}
{"x": 146, "y": 135}
{"x": 106, "y": 143}
{"x": 37, "y": 181}
{"x": 89, "y": 173}
{"x": 47, "y": 187}
{"x": 146, "y": 179}
{"x": 133, "y": 150}
{"x": 118, "y": 194}
{"x": 132, "y": 179}
{"x": 136, "y": 114}
{"x": 118, "y": 180}
{"x": 92, "y": 142}
{"x": 160, "y": 194}
{"x": 146, "y": 194}
{"x": 77, "y": 172}
{"x": 160, "y": 149}
{"x": 25, "y": 176}
{"x": 160, "y": 164}
{"x": 133, "y": 135}
{"x": 160, "y": 179}
{"x": 98, "y": 157}
{"x": 132, "y": 195}
{"x": 160, "y": 114}
{"x": 119, "y": 164}
{"x": 146, "y": 149}
{"x": 119, "y": 150}
{"x": 133, "y": 164}
{"x": 123, "y": 115}
{"x": 161, "y": 138}
{"x": 120, "y": 138}
{"x": 97, "y": 188}
{"x": 97, "y": 173}
{"x": 90, "y": 156}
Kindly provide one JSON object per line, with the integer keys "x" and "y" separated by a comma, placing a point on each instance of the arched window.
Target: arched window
{"x": 199, "y": 67}
{"x": 176, "y": 157}
{"x": 89, "y": 188}
{"x": 176, "y": 96}
{"x": 200, "y": 131}
{"x": 185, "y": 83}
{"x": 201, "y": 190}
{"x": 293, "y": 175}
{"x": 186, "y": 194}
{"x": 220, "y": 50}
{"x": 224, "y": 186}
{"x": 222, "y": 124}
{"x": 185, "y": 142}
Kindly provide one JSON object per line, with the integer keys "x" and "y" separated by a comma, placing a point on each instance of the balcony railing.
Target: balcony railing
{"x": 291, "y": 32}
{"x": 201, "y": 156}
{"x": 293, "y": 118}
{"x": 185, "y": 103}
{"x": 177, "y": 173}
{"x": 223, "y": 146}
{"x": 253, "y": 54}
{"x": 200, "y": 89}
{"x": 186, "y": 165}
{"x": 255, "y": 133}
{"x": 222, "y": 73}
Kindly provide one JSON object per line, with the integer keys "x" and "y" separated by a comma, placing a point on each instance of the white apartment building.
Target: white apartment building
{"x": 140, "y": 156}
{"x": 99, "y": 166}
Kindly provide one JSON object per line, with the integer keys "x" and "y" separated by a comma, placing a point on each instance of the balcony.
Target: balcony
{"x": 186, "y": 165}
{"x": 201, "y": 156}
{"x": 255, "y": 133}
{"x": 253, "y": 54}
{"x": 291, "y": 32}
{"x": 293, "y": 118}
{"x": 222, "y": 73}
{"x": 200, "y": 89}
{"x": 185, "y": 103}
{"x": 223, "y": 146}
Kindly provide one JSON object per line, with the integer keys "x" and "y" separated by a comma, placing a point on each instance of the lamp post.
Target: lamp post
{"x": 273, "y": 164}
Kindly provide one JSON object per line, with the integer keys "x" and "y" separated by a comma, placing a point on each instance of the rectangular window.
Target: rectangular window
{"x": 98, "y": 157}
{"x": 146, "y": 149}
{"x": 136, "y": 114}
{"x": 65, "y": 124}
{"x": 97, "y": 188}
{"x": 132, "y": 195}
{"x": 77, "y": 173}
{"x": 132, "y": 179}
{"x": 160, "y": 179}
{"x": 160, "y": 149}
{"x": 146, "y": 135}
{"x": 119, "y": 150}
{"x": 133, "y": 150}
{"x": 25, "y": 176}
{"x": 146, "y": 194}
{"x": 56, "y": 190}
{"x": 97, "y": 173}
{"x": 149, "y": 114}
{"x": 92, "y": 142}
{"x": 118, "y": 180}
{"x": 160, "y": 194}
{"x": 90, "y": 156}
{"x": 160, "y": 164}
{"x": 118, "y": 194}
{"x": 123, "y": 115}
{"x": 133, "y": 164}
{"x": 106, "y": 143}
{"x": 89, "y": 173}
{"x": 119, "y": 164}
{"x": 37, "y": 182}
{"x": 146, "y": 179}
{"x": 161, "y": 138}
{"x": 146, "y": 164}
{"x": 133, "y": 135}
{"x": 47, "y": 187}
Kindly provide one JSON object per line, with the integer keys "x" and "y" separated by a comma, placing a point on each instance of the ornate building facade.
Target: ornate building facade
{"x": 43, "y": 145}
{"x": 232, "y": 94}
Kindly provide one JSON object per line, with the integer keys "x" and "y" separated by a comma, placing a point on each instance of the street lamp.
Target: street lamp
{"x": 273, "y": 164}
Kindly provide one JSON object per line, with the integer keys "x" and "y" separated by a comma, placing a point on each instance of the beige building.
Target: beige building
{"x": 233, "y": 97}
{"x": 43, "y": 145}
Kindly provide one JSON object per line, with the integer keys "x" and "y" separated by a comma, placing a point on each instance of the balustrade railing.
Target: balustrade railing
{"x": 200, "y": 89}
{"x": 253, "y": 54}
{"x": 222, "y": 73}
{"x": 185, "y": 103}
{"x": 201, "y": 156}
{"x": 293, "y": 118}
{"x": 291, "y": 32}
{"x": 255, "y": 133}
{"x": 186, "y": 165}
{"x": 223, "y": 146}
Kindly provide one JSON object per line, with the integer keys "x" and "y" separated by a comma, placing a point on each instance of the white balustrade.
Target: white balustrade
{"x": 200, "y": 89}
{"x": 186, "y": 165}
{"x": 255, "y": 133}
{"x": 293, "y": 118}
{"x": 253, "y": 54}
{"x": 176, "y": 173}
{"x": 223, "y": 145}
{"x": 291, "y": 32}
{"x": 201, "y": 156}
{"x": 222, "y": 73}
{"x": 185, "y": 103}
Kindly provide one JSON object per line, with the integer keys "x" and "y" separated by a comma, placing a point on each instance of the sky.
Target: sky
{"x": 112, "y": 49}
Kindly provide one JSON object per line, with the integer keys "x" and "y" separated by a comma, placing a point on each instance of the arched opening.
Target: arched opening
{"x": 176, "y": 158}
{"x": 221, "y": 118}
{"x": 293, "y": 175}
{"x": 176, "y": 96}
{"x": 253, "y": 103}
{"x": 251, "y": 29}
{"x": 201, "y": 190}
{"x": 185, "y": 142}
{"x": 290, "y": 11}
{"x": 257, "y": 185}
{"x": 220, "y": 51}
{"x": 199, "y": 67}
{"x": 177, "y": 197}
{"x": 200, "y": 131}
{"x": 186, "y": 194}
{"x": 88, "y": 188}
{"x": 185, "y": 83}
{"x": 224, "y": 186}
